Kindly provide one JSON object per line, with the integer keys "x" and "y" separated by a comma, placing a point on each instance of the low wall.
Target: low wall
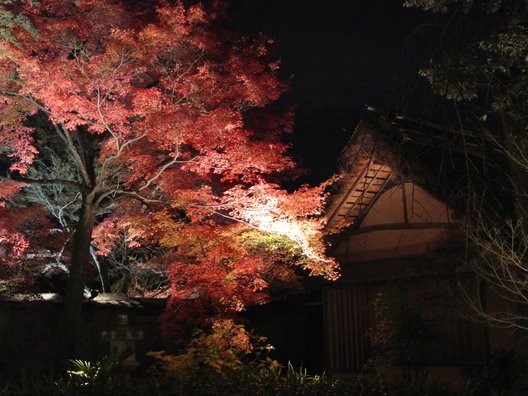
{"x": 28, "y": 329}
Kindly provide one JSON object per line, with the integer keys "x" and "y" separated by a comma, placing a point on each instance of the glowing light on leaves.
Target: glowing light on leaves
{"x": 274, "y": 211}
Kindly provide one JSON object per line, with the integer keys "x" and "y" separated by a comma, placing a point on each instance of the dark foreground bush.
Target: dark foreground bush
{"x": 229, "y": 361}
{"x": 87, "y": 379}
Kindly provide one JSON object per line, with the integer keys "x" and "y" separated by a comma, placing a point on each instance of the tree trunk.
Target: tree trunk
{"x": 70, "y": 321}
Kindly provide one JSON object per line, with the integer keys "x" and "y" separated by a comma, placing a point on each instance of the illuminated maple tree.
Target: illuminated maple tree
{"x": 148, "y": 106}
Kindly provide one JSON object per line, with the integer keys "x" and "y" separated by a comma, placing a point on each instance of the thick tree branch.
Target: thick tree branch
{"x": 114, "y": 156}
{"x": 30, "y": 99}
{"x": 163, "y": 168}
{"x": 45, "y": 182}
{"x": 65, "y": 136}
{"x": 133, "y": 194}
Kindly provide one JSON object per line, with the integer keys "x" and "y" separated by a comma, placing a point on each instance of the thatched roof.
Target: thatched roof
{"x": 367, "y": 168}
{"x": 387, "y": 149}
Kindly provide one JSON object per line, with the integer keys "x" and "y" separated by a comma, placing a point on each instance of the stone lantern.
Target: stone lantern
{"x": 122, "y": 340}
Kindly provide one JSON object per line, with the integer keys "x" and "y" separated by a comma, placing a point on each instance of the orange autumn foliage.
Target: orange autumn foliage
{"x": 165, "y": 114}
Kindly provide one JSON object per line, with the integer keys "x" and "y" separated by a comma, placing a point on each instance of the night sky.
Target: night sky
{"x": 340, "y": 56}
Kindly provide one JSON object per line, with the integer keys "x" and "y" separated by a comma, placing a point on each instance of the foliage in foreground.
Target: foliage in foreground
{"x": 228, "y": 360}
{"x": 246, "y": 381}
{"x": 242, "y": 382}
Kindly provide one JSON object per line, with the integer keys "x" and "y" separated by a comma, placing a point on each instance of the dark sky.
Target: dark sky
{"x": 341, "y": 55}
